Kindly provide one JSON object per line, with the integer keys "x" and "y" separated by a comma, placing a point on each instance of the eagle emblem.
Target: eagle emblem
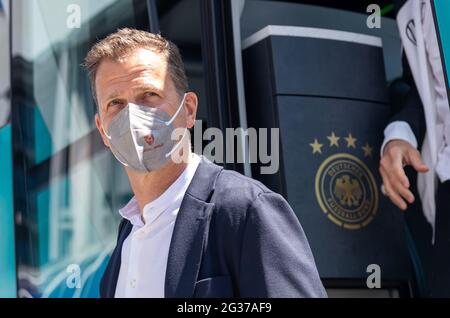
{"x": 348, "y": 191}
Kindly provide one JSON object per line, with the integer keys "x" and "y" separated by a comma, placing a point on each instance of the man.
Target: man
{"x": 424, "y": 115}
{"x": 192, "y": 229}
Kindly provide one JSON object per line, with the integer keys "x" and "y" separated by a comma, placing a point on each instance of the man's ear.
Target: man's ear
{"x": 98, "y": 123}
{"x": 190, "y": 105}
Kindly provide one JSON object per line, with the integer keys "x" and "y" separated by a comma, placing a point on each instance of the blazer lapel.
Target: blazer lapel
{"x": 112, "y": 271}
{"x": 190, "y": 233}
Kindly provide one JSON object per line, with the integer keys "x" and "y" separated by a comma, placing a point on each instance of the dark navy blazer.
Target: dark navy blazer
{"x": 233, "y": 237}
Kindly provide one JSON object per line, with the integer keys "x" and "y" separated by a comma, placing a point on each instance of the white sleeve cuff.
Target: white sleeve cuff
{"x": 398, "y": 130}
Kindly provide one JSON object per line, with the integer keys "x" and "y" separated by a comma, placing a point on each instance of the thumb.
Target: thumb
{"x": 415, "y": 160}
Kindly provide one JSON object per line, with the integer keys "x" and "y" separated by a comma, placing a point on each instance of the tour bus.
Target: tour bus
{"x": 314, "y": 80}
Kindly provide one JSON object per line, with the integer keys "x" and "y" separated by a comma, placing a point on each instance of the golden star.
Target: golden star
{"x": 351, "y": 142}
{"x": 333, "y": 140}
{"x": 367, "y": 150}
{"x": 316, "y": 146}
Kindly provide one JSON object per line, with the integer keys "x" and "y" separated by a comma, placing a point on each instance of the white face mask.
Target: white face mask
{"x": 140, "y": 137}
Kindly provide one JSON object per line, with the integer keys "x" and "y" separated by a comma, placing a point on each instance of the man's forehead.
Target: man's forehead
{"x": 145, "y": 57}
{"x": 141, "y": 63}
{"x": 137, "y": 60}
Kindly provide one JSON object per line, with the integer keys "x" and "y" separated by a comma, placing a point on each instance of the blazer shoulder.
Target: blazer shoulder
{"x": 235, "y": 193}
{"x": 233, "y": 183}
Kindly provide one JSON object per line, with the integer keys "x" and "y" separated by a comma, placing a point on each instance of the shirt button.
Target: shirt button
{"x": 133, "y": 283}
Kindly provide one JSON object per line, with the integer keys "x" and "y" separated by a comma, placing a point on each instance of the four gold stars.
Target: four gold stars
{"x": 334, "y": 141}
{"x": 316, "y": 146}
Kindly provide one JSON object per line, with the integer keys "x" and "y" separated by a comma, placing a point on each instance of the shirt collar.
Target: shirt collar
{"x": 172, "y": 195}
{"x": 131, "y": 212}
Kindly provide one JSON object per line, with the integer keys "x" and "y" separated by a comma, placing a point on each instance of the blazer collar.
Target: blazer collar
{"x": 190, "y": 232}
{"x": 112, "y": 270}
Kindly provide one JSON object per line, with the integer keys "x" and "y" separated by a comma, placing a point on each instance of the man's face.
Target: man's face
{"x": 141, "y": 78}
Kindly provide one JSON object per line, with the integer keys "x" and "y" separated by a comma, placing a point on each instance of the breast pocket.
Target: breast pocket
{"x": 214, "y": 287}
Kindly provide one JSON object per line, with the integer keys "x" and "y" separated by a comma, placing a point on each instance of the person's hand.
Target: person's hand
{"x": 396, "y": 155}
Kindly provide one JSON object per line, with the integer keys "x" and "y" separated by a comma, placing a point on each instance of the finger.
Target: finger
{"x": 396, "y": 170}
{"x": 391, "y": 193}
{"x": 415, "y": 160}
{"x": 384, "y": 177}
{"x": 403, "y": 191}
{"x": 398, "y": 180}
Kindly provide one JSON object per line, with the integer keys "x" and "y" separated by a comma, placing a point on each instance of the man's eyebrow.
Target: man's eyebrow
{"x": 141, "y": 88}
{"x": 146, "y": 87}
{"x": 113, "y": 95}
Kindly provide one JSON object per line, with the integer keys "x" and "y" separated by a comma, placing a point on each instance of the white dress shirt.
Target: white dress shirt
{"x": 145, "y": 251}
{"x": 402, "y": 130}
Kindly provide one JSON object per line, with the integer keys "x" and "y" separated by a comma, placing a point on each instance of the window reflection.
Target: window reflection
{"x": 67, "y": 187}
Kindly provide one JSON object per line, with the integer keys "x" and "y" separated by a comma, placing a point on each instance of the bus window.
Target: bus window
{"x": 67, "y": 186}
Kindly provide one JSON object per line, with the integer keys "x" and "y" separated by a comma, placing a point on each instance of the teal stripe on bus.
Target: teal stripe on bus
{"x": 7, "y": 256}
{"x": 443, "y": 16}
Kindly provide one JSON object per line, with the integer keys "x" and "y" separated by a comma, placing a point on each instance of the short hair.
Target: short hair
{"x": 121, "y": 43}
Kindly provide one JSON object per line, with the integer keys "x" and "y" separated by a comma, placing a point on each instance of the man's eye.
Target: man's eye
{"x": 150, "y": 94}
{"x": 115, "y": 102}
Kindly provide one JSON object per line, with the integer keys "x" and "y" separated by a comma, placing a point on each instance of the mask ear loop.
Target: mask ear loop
{"x": 103, "y": 127}
{"x": 185, "y": 130}
{"x": 106, "y": 133}
{"x": 177, "y": 112}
